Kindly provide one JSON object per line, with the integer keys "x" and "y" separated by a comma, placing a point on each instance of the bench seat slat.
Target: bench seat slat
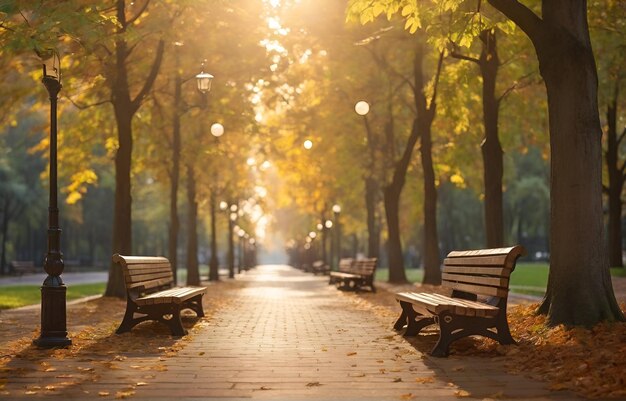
{"x": 175, "y": 295}
{"x": 437, "y": 303}
{"x": 478, "y": 280}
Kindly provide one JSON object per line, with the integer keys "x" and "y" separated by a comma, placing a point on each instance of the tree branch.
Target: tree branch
{"x": 460, "y": 56}
{"x": 433, "y": 99}
{"x": 154, "y": 71}
{"x": 519, "y": 84}
{"x": 86, "y": 106}
{"x": 523, "y": 17}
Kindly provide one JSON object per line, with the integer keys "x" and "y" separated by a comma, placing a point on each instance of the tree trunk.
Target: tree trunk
{"x": 394, "y": 245}
{"x": 174, "y": 180}
{"x": 579, "y": 284}
{"x": 616, "y": 184}
{"x": 491, "y": 148}
{"x": 231, "y": 249}
{"x": 193, "y": 275}
{"x": 122, "y": 235}
{"x": 124, "y": 109}
{"x": 432, "y": 261}
{"x": 5, "y": 232}
{"x": 213, "y": 263}
{"x": 373, "y": 235}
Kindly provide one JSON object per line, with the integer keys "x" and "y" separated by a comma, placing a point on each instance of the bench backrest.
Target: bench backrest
{"x": 482, "y": 272}
{"x": 366, "y": 267}
{"x": 345, "y": 264}
{"x": 145, "y": 274}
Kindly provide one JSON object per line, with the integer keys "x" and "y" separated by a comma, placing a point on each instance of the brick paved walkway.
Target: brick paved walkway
{"x": 291, "y": 336}
{"x": 280, "y": 334}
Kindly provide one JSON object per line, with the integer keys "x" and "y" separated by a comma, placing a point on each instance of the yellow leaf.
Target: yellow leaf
{"x": 103, "y": 393}
{"x": 351, "y": 353}
{"x": 461, "y": 393}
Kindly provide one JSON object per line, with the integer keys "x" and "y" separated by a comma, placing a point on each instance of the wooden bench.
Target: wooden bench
{"x": 479, "y": 285}
{"x": 21, "y": 267}
{"x": 358, "y": 273}
{"x": 320, "y": 267}
{"x": 150, "y": 292}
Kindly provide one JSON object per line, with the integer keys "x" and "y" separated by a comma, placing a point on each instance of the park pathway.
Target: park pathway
{"x": 288, "y": 335}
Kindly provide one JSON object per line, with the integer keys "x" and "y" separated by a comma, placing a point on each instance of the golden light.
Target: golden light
{"x": 362, "y": 108}
{"x": 336, "y": 208}
{"x": 217, "y": 130}
{"x": 308, "y": 144}
{"x": 328, "y": 224}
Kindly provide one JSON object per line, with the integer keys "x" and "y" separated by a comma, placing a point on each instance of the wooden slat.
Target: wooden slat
{"x": 485, "y": 252}
{"x": 166, "y": 275}
{"x": 126, "y": 260}
{"x": 437, "y": 303}
{"x": 488, "y": 271}
{"x": 479, "y": 280}
{"x": 176, "y": 295}
{"x": 497, "y": 261}
{"x": 476, "y": 289}
{"x": 150, "y": 266}
{"x": 149, "y": 284}
{"x": 143, "y": 272}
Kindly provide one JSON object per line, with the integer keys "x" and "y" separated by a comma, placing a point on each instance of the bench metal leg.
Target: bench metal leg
{"x": 414, "y": 322}
{"x": 195, "y": 304}
{"x": 502, "y": 326}
{"x": 129, "y": 320}
{"x": 174, "y": 323}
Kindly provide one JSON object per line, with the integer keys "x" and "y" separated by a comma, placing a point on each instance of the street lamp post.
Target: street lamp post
{"x": 217, "y": 130}
{"x": 241, "y": 233}
{"x": 328, "y": 225}
{"x": 232, "y": 217}
{"x": 336, "y": 212}
{"x": 53, "y": 290}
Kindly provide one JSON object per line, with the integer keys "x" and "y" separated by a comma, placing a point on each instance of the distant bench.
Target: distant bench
{"x": 21, "y": 267}
{"x": 320, "y": 267}
{"x": 150, "y": 292}
{"x": 355, "y": 273}
{"x": 479, "y": 285}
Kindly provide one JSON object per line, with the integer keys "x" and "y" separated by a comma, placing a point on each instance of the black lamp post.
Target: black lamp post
{"x": 217, "y": 130}
{"x": 241, "y": 233}
{"x": 53, "y": 291}
{"x": 336, "y": 211}
{"x": 232, "y": 217}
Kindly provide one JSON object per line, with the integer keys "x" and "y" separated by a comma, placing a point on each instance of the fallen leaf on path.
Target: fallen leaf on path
{"x": 407, "y": 396}
{"x": 351, "y": 353}
{"x": 424, "y": 380}
{"x": 103, "y": 393}
{"x": 461, "y": 393}
{"x": 139, "y": 384}
{"x": 313, "y": 384}
{"x": 397, "y": 380}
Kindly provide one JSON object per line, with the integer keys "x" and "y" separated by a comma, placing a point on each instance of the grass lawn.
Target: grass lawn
{"x": 15, "y": 296}
{"x": 528, "y": 278}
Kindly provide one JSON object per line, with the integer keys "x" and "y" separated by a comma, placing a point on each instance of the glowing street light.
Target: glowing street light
{"x": 308, "y": 144}
{"x": 362, "y": 108}
{"x": 217, "y": 130}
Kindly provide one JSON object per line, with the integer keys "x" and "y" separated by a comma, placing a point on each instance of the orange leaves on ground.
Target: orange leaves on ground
{"x": 591, "y": 362}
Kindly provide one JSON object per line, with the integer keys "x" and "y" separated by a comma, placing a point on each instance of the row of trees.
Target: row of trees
{"x": 463, "y": 71}
{"x": 462, "y": 75}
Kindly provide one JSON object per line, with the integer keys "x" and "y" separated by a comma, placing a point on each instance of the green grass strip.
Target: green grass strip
{"x": 15, "y": 296}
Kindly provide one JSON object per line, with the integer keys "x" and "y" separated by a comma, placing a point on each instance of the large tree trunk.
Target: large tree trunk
{"x": 579, "y": 284}
{"x": 373, "y": 233}
{"x": 174, "y": 180}
{"x": 616, "y": 183}
{"x": 392, "y": 194}
{"x": 193, "y": 275}
{"x": 125, "y": 108}
{"x": 213, "y": 263}
{"x": 491, "y": 148}
{"x": 122, "y": 236}
{"x": 432, "y": 261}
